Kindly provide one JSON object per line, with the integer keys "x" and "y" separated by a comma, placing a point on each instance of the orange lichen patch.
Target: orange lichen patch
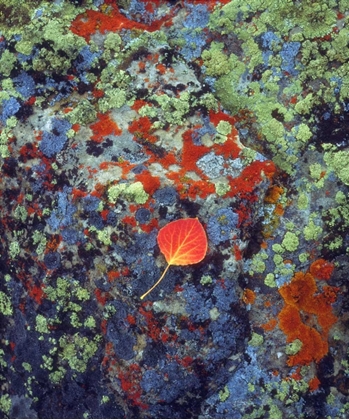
{"x": 150, "y": 183}
{"x": 53, "y": 243}
{"x": 113, "y": 275}
{"x": 105, "y": 126}
{"x": 270, "y": 325}
{"x": 279, "y": 210}
{"x": 307, "y": 316}
{"x": 249, "y": 296}
{"x": 237, "y": 252}
{"x": 161, "y": 68}
{"x": 314, "y": 384}
{"x": 314, "y": 347}
{"x": 297, "y": 376}
{"x": 290, "y": 321}
{"x": 89, "y": 22}
{"x": 322, "y": 269}
{"x": 300, "y": 291}
{"x": 273, "y": 194}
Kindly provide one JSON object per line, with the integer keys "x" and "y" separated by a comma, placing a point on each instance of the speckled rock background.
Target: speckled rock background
{"x": 118, "y": 117}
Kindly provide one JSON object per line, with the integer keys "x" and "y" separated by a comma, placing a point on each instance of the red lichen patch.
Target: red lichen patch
{"x": 199, "y": 188}
{"x": 105, "y": 126}
{"x": 36, "y": 292}
{"x": 150, "y": 183}
{"x": 86, "y": 24}
{"x": 129, "y": 220}
{"x": 237, "y": 252}
{"x": 101, "y": 297}
{"x": 76, "y": 193}
{"x": 250, "y": 178}
{"x": 217, "y": 117}
{"x": 153, "y": 224}
{"x": 228, "y": 149}
{"x": 289, "y": 320}
{"x": 140, "y": 127}
{"x": 314, "y": 384}
{"x": 307, "y": 316}
{"x": 29, "y": 151}
{"x": 161, "y": 68}
{"x": 113, "y": 275}
{"x": 322, "y": 269}
{"x": 154, "y": 329}
{"x": 138, "y": 103}
{"x": 191, "y": 153}
{"x": 130, "y": 384}
{"x": 249, "y": 296}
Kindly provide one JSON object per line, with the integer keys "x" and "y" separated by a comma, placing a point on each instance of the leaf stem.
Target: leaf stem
{"x": 153, "y": 287}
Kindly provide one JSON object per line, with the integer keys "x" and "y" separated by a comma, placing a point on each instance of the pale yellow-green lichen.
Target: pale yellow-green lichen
{"x": 105, "y": 399}
{"x": 215, "y": 61}
{"x": 290, "y": 241}
{"x": 294, "y": 347}
{"x": 83, "y": 113}
{"x": 303, "y": 201}
{"x": 303, "y": 257}
{"x": 90, "y": 322}
{"x": 312, "y": 232}
{"x": 5, "y": 403}
{"x": 338, "y": 161}
{"x": 5, "y": 305}
{"x": 134, "y": 192}
{"x": 221, "y": 187}
{"x": 14, "y": 249}
{"x": 205, "y": 279}
{"x": 256, "y": 340}
{"x": 56, "y": 376}
{"x": 270, "y": 280}
{"x": 302, "y": 132}
{"x": 41, "y": 324}
{"x": 77, "y": 350}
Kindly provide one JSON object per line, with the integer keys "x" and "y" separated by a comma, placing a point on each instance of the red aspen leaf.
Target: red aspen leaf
{"x": 182, "y": 242}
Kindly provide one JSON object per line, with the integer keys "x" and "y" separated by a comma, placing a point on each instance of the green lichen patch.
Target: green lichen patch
{"x": 5, "y": 305}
